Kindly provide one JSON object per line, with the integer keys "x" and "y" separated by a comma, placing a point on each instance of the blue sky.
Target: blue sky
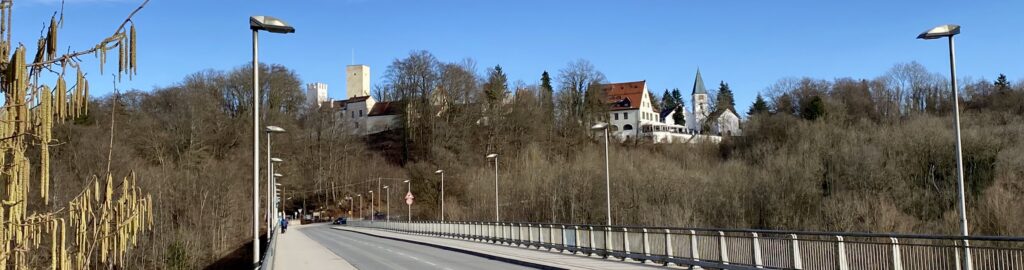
{"x": 749, "y": 44}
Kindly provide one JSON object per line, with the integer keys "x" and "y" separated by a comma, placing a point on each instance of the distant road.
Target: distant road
{"x": 369, "y": 252}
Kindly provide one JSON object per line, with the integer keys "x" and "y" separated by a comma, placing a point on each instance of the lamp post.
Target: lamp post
{"x": 270, "y": 178}
{"x": 271, "y": 25}
{"x": 387, "y": 215}
{"x": 350, "y": 205}
{"x": 607, "y": 171}
{"x": 360, "y": 205}
{"x": 277, "y": 202}
{"x": 441, "y": 172}
{"x": 378, "y": 195}
{"x": 372, "y": 212}
{"x": 409, "y": 206}
{"x": 271, "y": 206}
{"x": 948, "y": 31}
{"x": 496, "y": 215}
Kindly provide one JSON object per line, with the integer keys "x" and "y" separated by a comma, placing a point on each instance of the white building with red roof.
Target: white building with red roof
{"x": 633, "y": 114}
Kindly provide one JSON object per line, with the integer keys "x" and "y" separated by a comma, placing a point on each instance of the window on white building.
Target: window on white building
{"x": 625, "y": 115}
{"x": 616, "y": 116}
{"x": 360, "y": 113}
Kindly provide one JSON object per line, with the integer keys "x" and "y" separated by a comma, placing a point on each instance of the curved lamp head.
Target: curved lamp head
{"x": 385, "y": 187}
{"x": 492, "y": 155}
{"x": 278, "y": 175}
{"x": 277, "y": 184}
{"x": 940, "y": 31}
{"x": 270, "y": 24}
{"x": 600, "y": 126}
{"x": 406, "y": 181}
{"x": 276, "y": 160}
{"x": 274, "y": 129}
{"x": 439, "y": 171}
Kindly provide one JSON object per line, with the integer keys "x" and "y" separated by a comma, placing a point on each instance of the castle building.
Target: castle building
{"x": 359, "y": 111}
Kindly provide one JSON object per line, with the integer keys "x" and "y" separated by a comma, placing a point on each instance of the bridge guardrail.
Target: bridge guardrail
{"x": 268, "y": 256}
{"x": 752, "y": 248}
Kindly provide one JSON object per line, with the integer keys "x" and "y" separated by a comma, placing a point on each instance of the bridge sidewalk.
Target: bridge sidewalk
{"x": 544, "y": 258}
{"x": 295, "y": 250}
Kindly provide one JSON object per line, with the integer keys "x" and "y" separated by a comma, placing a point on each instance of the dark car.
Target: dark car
{"x": 340, "y": 221}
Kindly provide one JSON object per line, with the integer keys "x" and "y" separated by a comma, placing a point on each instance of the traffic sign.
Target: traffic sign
{"x": 408, "y": 198}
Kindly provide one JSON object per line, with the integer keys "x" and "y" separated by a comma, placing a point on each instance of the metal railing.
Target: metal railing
{"x": 267, "y": 262}
{"x": 735, "y": 247}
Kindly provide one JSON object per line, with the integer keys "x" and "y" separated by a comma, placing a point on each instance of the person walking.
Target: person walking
{"x": 284, "y": 224}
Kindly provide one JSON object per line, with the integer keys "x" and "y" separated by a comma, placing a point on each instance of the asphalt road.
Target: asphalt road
{"x": 370, "y": 252}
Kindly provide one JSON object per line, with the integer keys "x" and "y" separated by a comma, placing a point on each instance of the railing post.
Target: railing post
{"x": 551, "y": 237}
{"x": 529, "y": 231}
{"x": 723, "y": 247}
{"x": 647, "y": 246}
{"x": 841, "y": 254}
{"x": 593, "y": 246}
{"x": 576, "y": 242}
{"x": 517, "y": 232}
{"x": 756, "y": 246}
{"x": 607, "y": 242}
{"x": 668, "y": 246}
{"x": 625, "y": 242}
{"x": 694, "y": 248}
{"x": 797, "y": 261}
{"x": 897, "y": 260}
{"x": 565, "y": 240}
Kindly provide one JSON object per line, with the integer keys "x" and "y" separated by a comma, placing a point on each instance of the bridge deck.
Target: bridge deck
{"x": 295, "y": 250}
{"x": 538, "y": 258}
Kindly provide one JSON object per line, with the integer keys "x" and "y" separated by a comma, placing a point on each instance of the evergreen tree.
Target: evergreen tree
{"x": 496, "y": 87}
{"x": 725, "y": 98}
{"x": 759, "y": 106}
{"x": 547, "y": 94}
{"x": 667, "y": 101}
{"x": 813, "y": 108}
{"x": 680, "y": 117}
{"x": 1002, "y": 85}
{"x": 545, "y": 82}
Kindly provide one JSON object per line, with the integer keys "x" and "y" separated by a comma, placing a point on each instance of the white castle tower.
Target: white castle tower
{"x": 316, "y": 94}
{"x": 358, "y": 79}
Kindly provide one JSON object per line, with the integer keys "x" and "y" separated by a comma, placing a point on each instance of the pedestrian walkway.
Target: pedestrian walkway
{"x": 295, "y": 250}
{"x": 544, "y": 259}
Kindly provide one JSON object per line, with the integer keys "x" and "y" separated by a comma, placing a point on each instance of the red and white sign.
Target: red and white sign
{"x": 408, "y": 198}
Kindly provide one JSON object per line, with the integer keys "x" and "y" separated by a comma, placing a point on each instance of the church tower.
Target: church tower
{"x": 700, "y": 102}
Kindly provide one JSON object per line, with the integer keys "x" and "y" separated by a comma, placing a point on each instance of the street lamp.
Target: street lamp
{"x": 372, "y": 212}
{"x": 270, "y": 180}
{"x": 273, "y": 25}
{"x": 409, "y": 206}
{"x": 495, "y": 157}
{"x": 350, "y": 205}
{"x": 360, "y": 205}
{"x": 277, "y": 202}
{"x": 607, "y": 171}
{"x": 442, "y": 192}
{"x": 387, "y": 215}
{"x": 949, "y": 31}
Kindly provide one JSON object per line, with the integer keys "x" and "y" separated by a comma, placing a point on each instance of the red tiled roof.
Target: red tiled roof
{"x": 386, "y": 108}
{"x": 624, "y": 96}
